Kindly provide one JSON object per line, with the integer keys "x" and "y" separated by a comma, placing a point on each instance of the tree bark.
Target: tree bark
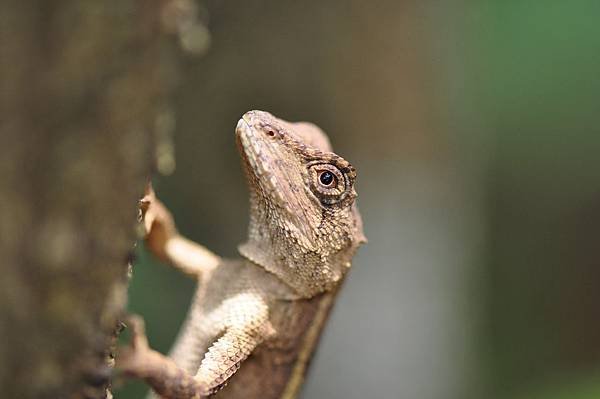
{"x": 80, "y": 88}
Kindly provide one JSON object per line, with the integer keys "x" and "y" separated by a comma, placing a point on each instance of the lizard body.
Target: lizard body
{"x": 259, "y": 317}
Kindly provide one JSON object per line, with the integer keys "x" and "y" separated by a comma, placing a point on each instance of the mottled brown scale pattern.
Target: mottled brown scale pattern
{"x": 255, "y": 322}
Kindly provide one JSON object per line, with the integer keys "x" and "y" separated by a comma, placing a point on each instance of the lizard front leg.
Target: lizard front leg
{"x": 167, "y": 244}
{"x": 245, "y": 325}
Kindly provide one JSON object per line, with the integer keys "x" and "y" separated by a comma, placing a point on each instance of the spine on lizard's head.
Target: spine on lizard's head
{"x": 304, "y": 223}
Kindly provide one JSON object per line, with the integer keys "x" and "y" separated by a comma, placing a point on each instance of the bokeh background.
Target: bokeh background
{"x": 474, "y": 127}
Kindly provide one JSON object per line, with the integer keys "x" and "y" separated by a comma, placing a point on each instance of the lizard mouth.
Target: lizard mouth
{"x": 242, "y": 133}
{"x": 242, "y": 125}
{"x": 254, "y": 151}
{"x": 261, "y": 154}
{"x": 255, "y": 148}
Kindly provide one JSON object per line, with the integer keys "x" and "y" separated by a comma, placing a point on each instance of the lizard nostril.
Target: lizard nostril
{"x": 271, "y": 133}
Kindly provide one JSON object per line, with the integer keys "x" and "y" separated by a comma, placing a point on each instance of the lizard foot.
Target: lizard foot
{"x": 157, "y": 221}
{"x": 161, "y": 373}
{"x": 132, "y": 358}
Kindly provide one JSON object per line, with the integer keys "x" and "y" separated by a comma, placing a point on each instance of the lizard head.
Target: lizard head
{"x": 304, "y": 224}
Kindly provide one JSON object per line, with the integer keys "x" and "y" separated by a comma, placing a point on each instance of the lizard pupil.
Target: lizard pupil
{"x": 326, "y": 178}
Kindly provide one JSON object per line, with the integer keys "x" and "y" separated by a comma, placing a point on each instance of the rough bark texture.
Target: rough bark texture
{"x": 80, "y": 86}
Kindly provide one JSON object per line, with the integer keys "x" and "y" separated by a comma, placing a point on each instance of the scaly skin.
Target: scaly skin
{"x": 258, "y": 317}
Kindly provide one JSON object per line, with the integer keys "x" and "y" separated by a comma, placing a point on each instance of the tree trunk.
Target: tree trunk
{"x": 80, "y": 87}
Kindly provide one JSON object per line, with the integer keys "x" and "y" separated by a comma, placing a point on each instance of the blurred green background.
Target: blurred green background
{"x": 474, "y": 127}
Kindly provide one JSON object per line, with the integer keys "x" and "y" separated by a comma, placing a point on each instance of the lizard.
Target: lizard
{"x": 255, "y": 321}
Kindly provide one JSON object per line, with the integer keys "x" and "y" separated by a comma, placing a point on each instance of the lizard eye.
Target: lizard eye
{"x": 327, "y": 178}
{"x": 327, "y": 182}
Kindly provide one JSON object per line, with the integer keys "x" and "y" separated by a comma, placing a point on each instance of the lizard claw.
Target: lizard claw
{"x": 145, "y": 202}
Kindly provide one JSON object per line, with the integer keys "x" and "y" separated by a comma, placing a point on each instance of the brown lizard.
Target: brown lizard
{"x": 258, "y": 317}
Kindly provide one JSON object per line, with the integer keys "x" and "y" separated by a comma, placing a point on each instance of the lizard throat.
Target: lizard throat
{"x": 306, "y": 275}
{"x": 304, "y": 259}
